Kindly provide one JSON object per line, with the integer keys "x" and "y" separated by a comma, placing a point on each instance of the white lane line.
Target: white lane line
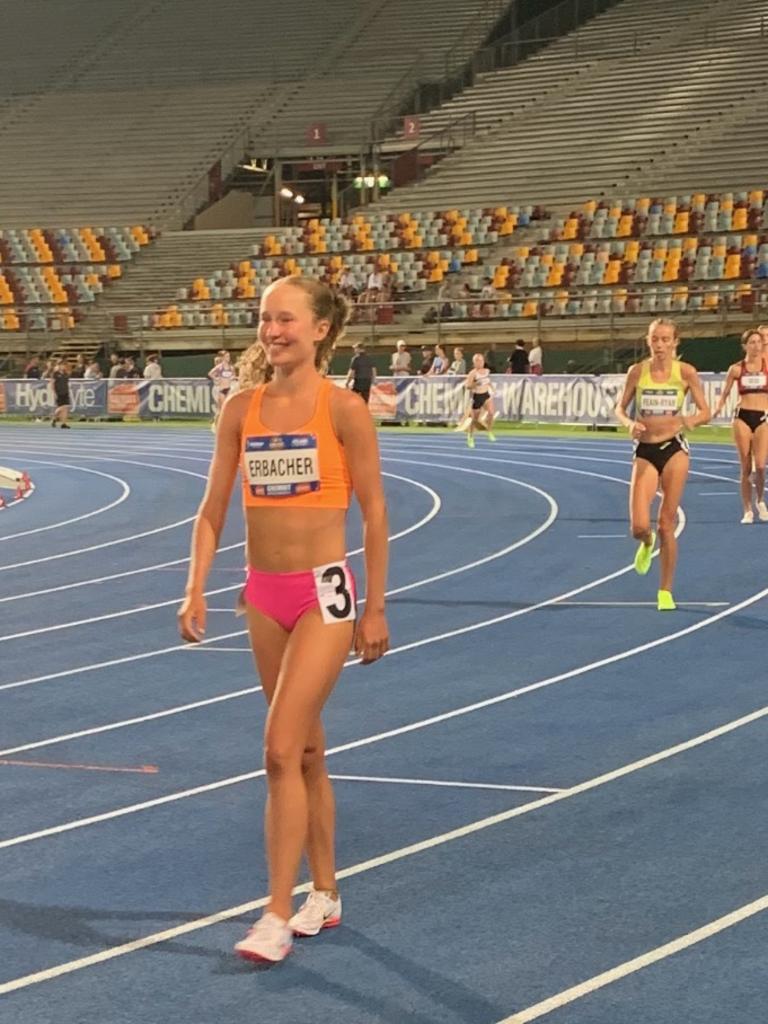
{"x": 373, "y": 863}
{"x": 436, "y": 505}
{"x": 196, "y": 648}
{"x": 125, "y": 492}
{"x": 390, "y": 733}
{"x": 643, "y": 604}
{"x": 447, "y": 784}
{"x": 177, "y": 566}
{"x": 94, "y": 666}
{"x": 94, "y": 730}
{"x": 653, "y": 956}
{"x": 120, "y": 540}
{"x": 717, "y": 494}
{"x": 602, "y": 536}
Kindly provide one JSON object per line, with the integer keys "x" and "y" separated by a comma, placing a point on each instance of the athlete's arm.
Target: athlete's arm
{"x": 356, "y": 431}
{"x": 470, "y": 381}
{"x": 211, "y": 515}
{"x": 734, "y": 372}
{"x": 703, "y": 415}
{"x": 634, "y": 427}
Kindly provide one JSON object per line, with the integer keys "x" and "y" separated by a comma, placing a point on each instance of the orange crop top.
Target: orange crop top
{"x": 306, "y": 468}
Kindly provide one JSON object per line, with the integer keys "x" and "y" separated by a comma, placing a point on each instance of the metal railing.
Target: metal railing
{"x": 537, "y": 312}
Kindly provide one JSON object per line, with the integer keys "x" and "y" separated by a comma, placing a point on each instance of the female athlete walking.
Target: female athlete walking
{"x": 303, "y": 447}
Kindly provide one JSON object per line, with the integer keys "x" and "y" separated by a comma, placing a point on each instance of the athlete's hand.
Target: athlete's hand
{"x": 636, "y": 429}
{"x": 191, "y": 618}
{"x": 371, "y": 639}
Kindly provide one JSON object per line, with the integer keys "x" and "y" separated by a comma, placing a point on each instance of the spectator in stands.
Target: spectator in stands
{"x": 348, "y": 284}
{"x": 61, "y": 395}
{"x": 488, "y": 295}
{"x": 536, "y": 360}
{"x": 115, "y": 365}
{"x": 491, "y": 358}
{"x": 361, "y": 375}
{"x": 518, "y": 361}
{"x": 129, "y": 370}
{"x": 93, "y": 371}
{"x": 78, "y": 370}
{"x": 32, "y": 370}
{"x": 459, "y": 365}
{"x": 374, "y": 286}
{"x": 400, "y": 363}
{"x": 49, "y": 369}
{"x": 427, "y": 358}
{"x": 152, "y": 368}
{"x": 439, "y": 363}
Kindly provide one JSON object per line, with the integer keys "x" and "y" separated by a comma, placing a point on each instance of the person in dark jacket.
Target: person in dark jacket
{"x": 61, "y": 395}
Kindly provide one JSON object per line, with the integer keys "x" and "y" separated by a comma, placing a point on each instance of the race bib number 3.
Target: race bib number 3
{"x": 658, "y": 403}
{"x": 281, "y": 465}
{"x": 335, "y": 587}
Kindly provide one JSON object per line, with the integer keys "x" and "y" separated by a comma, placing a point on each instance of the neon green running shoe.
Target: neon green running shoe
{"x": 470, "y": 441}
{"x": 491, "y": 436}
{"x": 666, "y": 603}
{"x": 644, "y": 555}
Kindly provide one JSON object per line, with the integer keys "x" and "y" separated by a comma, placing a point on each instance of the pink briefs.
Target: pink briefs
{"x": 286, "y": 596}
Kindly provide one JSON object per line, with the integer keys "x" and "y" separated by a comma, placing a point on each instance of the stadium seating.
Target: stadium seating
{"x": 127, "y": 120}
{"x": 40, "y": 269}
{"x": 648, "y": 94}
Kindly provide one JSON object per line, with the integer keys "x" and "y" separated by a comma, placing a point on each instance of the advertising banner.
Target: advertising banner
{"x": 559, "y": 398}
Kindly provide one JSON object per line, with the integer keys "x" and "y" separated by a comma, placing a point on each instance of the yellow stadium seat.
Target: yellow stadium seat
{"x": 530, "y": 308}
{"x": 739, "y": 222}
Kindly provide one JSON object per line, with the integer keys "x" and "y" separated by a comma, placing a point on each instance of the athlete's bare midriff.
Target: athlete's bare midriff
{"x": 294, "y": 539}
{"x": 659, "y": 428}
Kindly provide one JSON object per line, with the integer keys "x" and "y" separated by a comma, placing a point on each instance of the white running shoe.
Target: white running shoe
{"x": 318, "y": 911}
{"x": 748, "y": 517}
{"x": 270, "y": 940}
{"x": 762, "y": 512}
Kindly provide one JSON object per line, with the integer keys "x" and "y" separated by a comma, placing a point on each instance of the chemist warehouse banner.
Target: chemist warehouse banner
{"x": 97, "y": 399}
{"x": 552, "y": 399}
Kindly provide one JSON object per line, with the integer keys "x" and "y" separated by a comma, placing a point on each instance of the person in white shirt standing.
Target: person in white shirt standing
{"x": 535, "y": 360}
{"x": 152, "y": 368}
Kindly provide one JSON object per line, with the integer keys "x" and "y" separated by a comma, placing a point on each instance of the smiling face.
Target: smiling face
{"x": 288, "y": 329}
{"x": 662, "y": 340}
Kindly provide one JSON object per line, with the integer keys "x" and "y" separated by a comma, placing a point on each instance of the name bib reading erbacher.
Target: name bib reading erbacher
{"x": 280, "y": 465}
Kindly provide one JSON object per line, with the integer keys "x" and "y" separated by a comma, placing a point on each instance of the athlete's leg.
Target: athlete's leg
{"x": 312, "y": 660}
{"x": 760, "y": 449}
{"x": 269, "y": 640}
{"x": 642, "y": 491}
{"x": 673, "y": 480}
{"x": 743, "y": 438}
{"x": 488, "y": 412}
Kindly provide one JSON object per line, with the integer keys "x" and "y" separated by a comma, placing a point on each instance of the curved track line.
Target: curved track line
{"x": 175, "y": 561}
{"x": 412, "y": 727}
{"x": 126, "y": 490}
{"x": 119, "y": 540}
{"x": 437, "y": 504}
{"x": 227, "y": 636}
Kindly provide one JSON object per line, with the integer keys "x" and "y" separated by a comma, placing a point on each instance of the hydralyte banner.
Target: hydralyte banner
{"x": 561, "y": 398}
{"x": 97, "y": 399}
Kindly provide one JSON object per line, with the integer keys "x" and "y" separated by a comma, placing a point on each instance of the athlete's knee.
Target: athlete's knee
{"x": 312, "y": 760}
{"x": 641, "y": 528}
{"x": 281, "y": 758}
{"x": 666, "y": 524}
